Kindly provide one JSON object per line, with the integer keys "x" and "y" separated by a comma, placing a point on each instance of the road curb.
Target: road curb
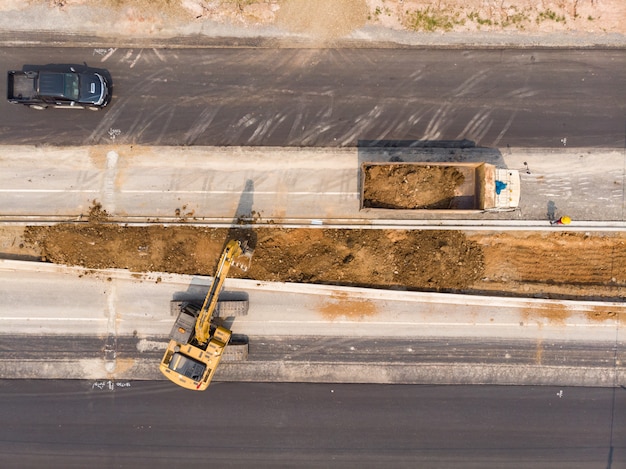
{"x": 321, "y": 372}
{"x": 266, "y": 38}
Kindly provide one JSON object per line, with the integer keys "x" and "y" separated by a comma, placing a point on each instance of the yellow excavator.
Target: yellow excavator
{"x": 198, "y": 339}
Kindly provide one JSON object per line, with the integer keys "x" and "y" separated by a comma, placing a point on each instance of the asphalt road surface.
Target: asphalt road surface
{"x": 146, "y": 424}
{"x": 335, "y": 97}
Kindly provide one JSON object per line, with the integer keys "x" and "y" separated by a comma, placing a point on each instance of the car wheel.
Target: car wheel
{"x": 39, "y": 107}
{"x": 93, "y": 108}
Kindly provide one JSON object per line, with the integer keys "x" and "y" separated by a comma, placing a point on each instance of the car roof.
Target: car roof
{"x": 52, "y": 84}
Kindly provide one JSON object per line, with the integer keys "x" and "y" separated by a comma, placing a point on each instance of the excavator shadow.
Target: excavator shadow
{"x": 241, "y": 228}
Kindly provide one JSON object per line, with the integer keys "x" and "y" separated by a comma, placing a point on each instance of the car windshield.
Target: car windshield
{"x": 71, "y": 86}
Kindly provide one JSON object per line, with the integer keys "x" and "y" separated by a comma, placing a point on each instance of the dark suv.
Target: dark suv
{"x": 40, "y": 89}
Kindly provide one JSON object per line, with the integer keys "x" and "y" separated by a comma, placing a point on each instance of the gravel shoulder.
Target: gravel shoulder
{"x": 323, "y": 23}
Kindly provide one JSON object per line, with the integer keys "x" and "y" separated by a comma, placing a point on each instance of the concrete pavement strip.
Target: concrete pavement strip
{"x": 304, "y": 186}
{"x": 127, "y": 307}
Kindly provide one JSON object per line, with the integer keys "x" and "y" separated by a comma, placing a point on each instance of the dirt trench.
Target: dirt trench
{"x": 549, "y": 264}
{"x": 369, "y": 258}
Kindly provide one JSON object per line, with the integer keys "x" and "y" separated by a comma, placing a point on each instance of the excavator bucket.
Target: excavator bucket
{"x": 243, "y": 260}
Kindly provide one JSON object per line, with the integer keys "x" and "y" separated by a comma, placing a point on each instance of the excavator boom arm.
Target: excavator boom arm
{"x": 203, "y": 324}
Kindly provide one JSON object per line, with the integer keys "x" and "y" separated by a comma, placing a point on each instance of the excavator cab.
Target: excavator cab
{"x": 186, "y": 366}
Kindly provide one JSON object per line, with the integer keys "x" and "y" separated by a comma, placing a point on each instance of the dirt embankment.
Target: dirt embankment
{"x": 558, "y": 265}
{"x": 330, "y": 19}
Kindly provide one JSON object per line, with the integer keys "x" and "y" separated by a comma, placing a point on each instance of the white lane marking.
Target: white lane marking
{"x": 232, "y": 192}
{"x": 22, "y": 318}
{"x": 360, "y": 322}
{"x": 35, "y": 191}
{"x": 156, "y": 52}
{"x": 147, "y": 191}
{"x": 136, "y": 59}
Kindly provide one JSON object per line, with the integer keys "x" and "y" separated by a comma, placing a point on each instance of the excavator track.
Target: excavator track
{"x": 237, "y": 349}
{"x": 231, "y": 308}
{"x": 224, "y": 309}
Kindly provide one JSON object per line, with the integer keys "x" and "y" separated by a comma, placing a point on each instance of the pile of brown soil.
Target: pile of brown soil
{"x": 428, "y": 260}
{"x": 558, "y": 264}
{"x": 410, "y": 187}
